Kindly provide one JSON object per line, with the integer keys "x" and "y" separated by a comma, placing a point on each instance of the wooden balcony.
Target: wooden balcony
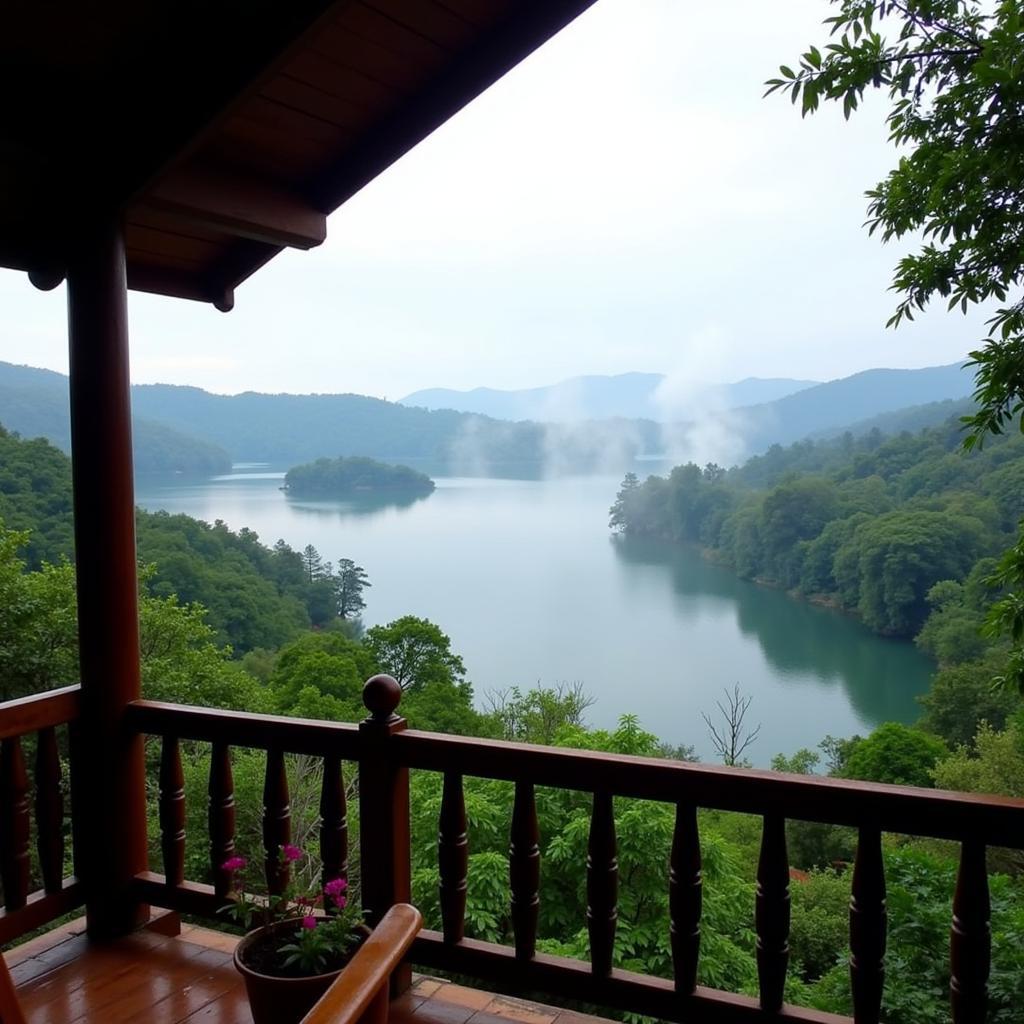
{"x": 163, "y": 975}
{"x": 382, "y": 751}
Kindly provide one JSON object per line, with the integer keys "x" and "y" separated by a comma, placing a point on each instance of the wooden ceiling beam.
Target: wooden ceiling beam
{"x": 176, "y": 284}
{"x": 242, "y": 207}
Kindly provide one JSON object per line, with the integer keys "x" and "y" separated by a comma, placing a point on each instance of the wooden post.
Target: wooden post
{"x": 108, "y": 779}
{"x": 385, "y": 873}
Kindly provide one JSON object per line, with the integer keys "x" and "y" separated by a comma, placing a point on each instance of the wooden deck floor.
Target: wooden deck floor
{"x": 160, "y": 979}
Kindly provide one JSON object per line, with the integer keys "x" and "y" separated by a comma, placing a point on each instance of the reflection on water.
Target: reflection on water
{"x": 524, "y": 577}
{"x": 360, "y": 505}
{"x": 796, "y": 638}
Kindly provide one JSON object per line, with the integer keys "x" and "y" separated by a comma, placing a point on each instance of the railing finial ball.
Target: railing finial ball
{"x": 381, "y": 695}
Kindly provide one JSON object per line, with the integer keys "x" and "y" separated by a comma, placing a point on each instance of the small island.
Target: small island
{"x": 355, "y": 476}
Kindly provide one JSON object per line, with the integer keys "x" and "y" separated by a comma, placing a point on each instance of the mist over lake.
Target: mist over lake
{"x": 532, "y": 587}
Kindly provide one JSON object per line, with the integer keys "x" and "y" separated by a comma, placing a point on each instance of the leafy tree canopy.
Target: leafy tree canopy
{"x": 416, "y": 652}
{"x": 953, "y": 71}
{"x": 895, "y": 754}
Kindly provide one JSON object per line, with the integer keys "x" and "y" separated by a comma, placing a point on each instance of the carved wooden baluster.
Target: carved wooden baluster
{"x": 172, "y": 811}
{"x": 602, "y": 884}
{"x": 685, "y": 898}
{"x": 452, "y": 857}
{"x": 333, "y": 822}
{"x": 49, "y": 811}
{"x": 867, "y": 928}
{"x": 772, "y": 913}
{"x": 970, "y": 946}
{"x": 221, "y": 817}
{"x": 524, "y": 870}
{"x": 277, "y": 822}
{"x": 14, "y": 837}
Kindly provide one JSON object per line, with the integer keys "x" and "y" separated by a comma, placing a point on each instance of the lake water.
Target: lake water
{"x": 528, "y": 582}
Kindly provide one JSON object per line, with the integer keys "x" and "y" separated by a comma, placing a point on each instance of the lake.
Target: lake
{"x": 531, "y": 586}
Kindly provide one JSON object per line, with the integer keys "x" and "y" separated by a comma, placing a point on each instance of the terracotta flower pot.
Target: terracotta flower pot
{"x": 274, "y": 999}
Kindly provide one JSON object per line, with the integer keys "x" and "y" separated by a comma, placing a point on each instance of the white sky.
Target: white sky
{"x": 623, "y": 200}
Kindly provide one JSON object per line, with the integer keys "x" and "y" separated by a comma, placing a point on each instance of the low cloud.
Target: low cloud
{"x": 697, "y": 424}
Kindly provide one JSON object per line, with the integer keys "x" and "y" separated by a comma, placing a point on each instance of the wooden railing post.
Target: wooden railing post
{"x": 384, "y": 869}
{"x": 524, "y": 870}
{"x": 108, "y": 781}
{"x": 685, "y": 898}
{"x": 868, "y": 928}
{"x": 771, "y": 915}
{"x": 453, "y": 858}
{"x": 970, "y": 937}
{"x": 221, "y": 817}
{"x": 602, "y": 884}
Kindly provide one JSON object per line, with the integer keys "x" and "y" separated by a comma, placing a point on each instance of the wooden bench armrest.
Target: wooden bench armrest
{"x": 365, "y": 979}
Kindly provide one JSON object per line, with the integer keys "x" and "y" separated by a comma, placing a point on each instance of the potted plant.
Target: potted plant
{"x": 297, "y": 942}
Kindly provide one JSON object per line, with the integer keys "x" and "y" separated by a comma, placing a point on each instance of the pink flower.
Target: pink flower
{"x": 234, "y": 864}
{"x": 335, "y": 887}
{"x": 309, "y": 921}
{"x": 291, "y": 853}
{"x": 334, "y": 890}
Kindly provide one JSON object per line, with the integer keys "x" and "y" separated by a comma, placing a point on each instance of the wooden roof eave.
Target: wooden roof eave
{"x": 299, "y": 220}
{"x": 220, "y": 166}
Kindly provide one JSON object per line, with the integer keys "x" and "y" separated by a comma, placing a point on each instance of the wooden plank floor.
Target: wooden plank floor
{"x": 144, "y": 977}
{"x": 160, "y": 979}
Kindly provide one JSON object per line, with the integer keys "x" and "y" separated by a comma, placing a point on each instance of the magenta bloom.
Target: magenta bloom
{"x": 291, "y": 853}
{"x": 233, "y": 864}
{"x": 309, "y": 921}
{"x": 335, "y": 888}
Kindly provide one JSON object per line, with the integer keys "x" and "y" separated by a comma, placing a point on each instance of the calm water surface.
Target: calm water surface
{"x": 527, "y": 581}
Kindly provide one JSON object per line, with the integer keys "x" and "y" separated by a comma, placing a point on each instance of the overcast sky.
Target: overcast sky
{"x": 623, "y": 200}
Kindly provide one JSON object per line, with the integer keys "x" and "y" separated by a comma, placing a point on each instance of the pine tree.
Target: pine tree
{"x": 313, "y": 565}
{"x": 350, "y": 582}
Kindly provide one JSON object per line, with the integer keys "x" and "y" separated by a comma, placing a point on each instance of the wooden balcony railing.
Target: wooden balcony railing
{"x": 385, "y": 751}
{"x": 38, "y": 721}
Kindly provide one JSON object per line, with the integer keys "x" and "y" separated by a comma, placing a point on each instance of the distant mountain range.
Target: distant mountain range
{"x": 186, "y": 429}
{"x": 838, "y": 404}
{"x": 645, "y": 396}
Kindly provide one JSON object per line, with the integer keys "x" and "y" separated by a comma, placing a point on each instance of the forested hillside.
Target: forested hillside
{"x": 35, "y": 404}
{"x": 867, "y": 523}
{"x": 253, "y": 595}
{"x": 293, "y": 428}
{"x": 912, "y": 418}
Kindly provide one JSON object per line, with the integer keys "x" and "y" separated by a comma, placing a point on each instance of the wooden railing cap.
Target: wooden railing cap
{"x": 381, "y": 695}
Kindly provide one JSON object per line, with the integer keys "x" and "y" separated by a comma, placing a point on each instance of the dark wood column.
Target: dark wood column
{"x": 109, "y": 773}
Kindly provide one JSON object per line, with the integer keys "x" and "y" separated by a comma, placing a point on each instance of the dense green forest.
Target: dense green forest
{"x": 226, "y": 621}
{"x": 353, "y": 476}
{"x": 253, "y": 595}
{"x": 35, "y": 404}
{"x": 869, "y": 524}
